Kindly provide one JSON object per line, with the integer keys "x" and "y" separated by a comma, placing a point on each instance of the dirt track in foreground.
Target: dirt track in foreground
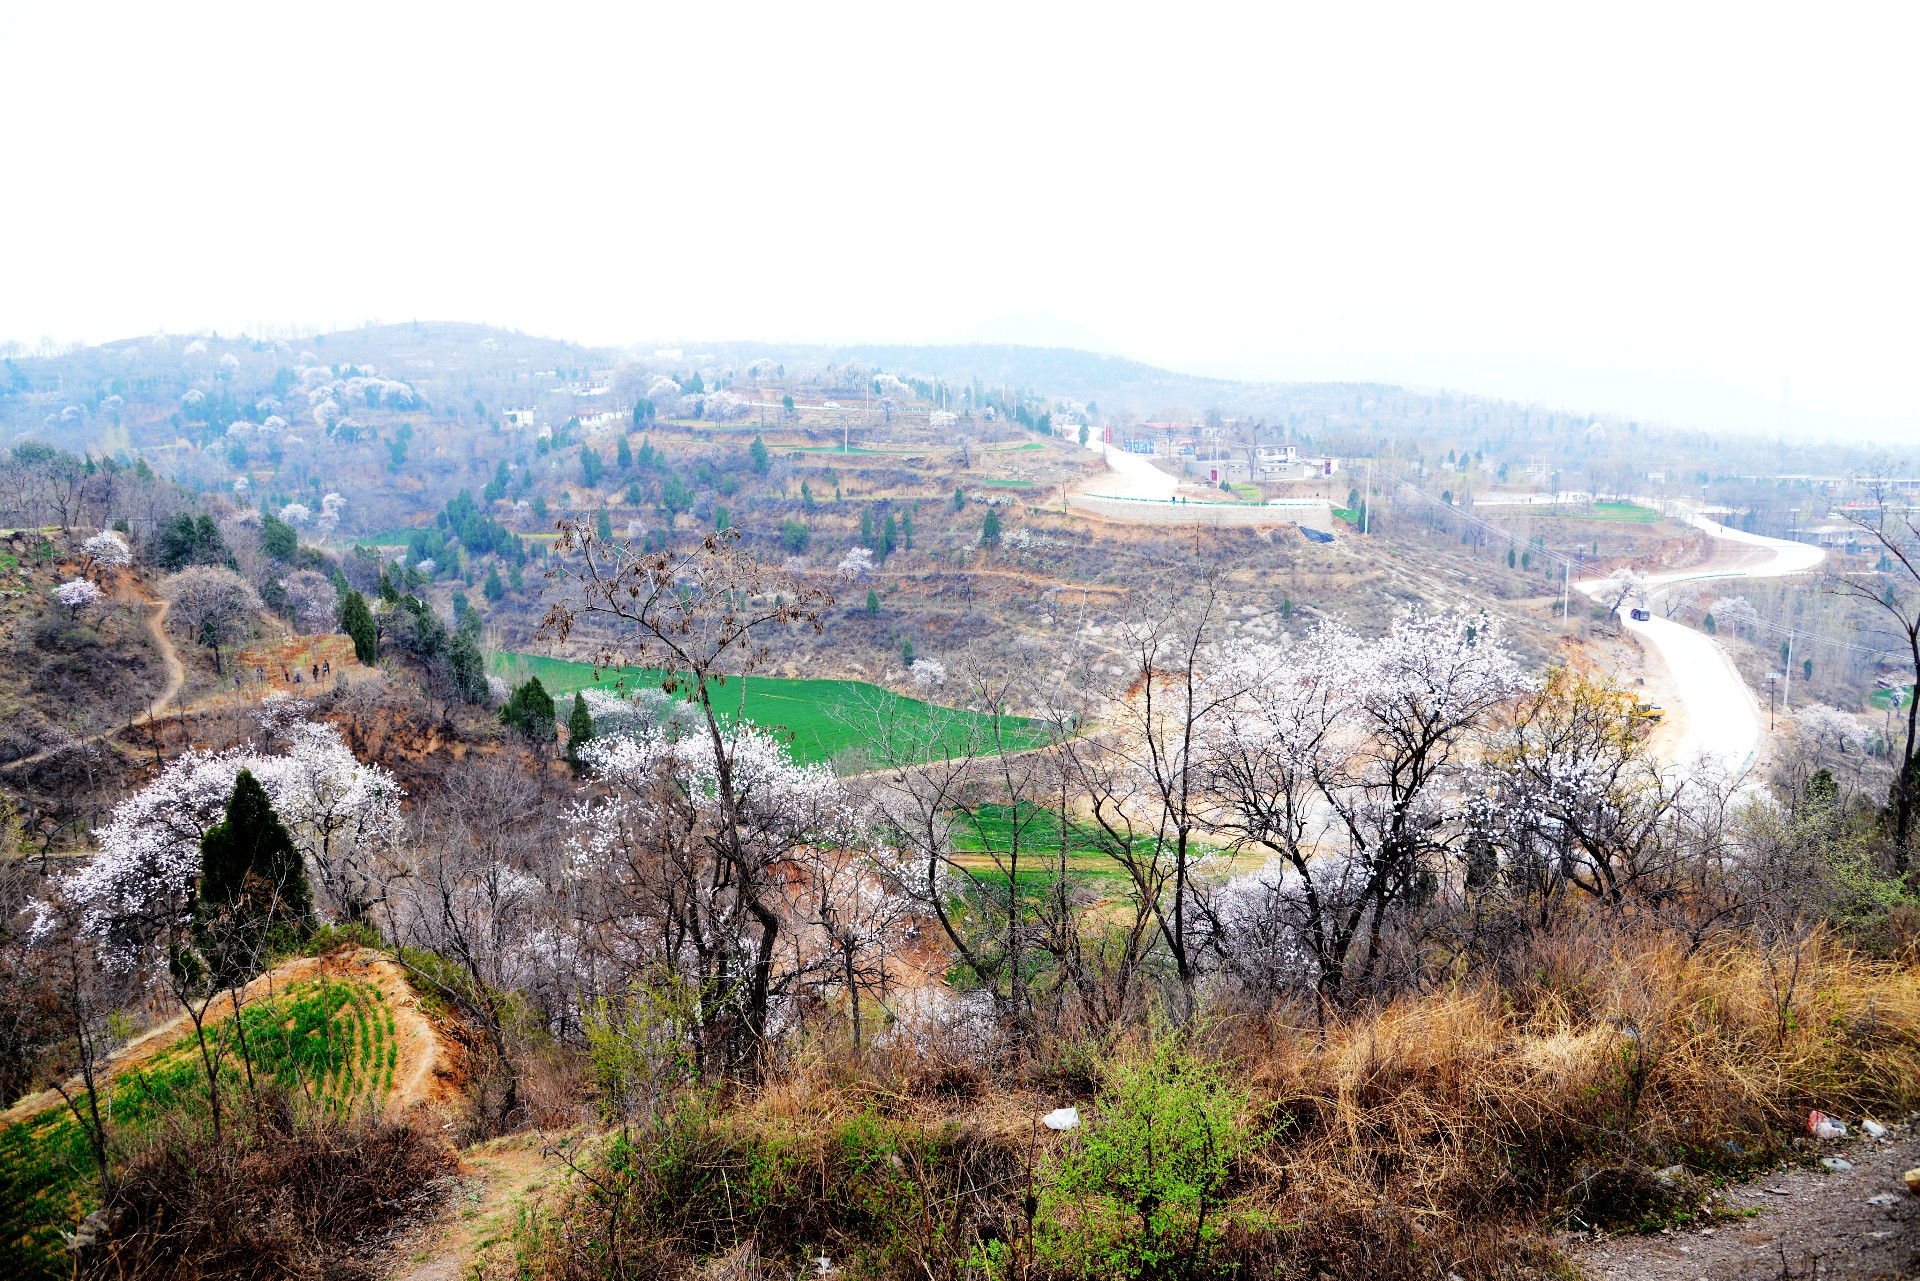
{"x": 1855, "y": 1225}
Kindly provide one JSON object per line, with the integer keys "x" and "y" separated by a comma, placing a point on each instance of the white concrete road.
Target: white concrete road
{"x": 1723, "y": 715}
{"x": 1128, "y": 476}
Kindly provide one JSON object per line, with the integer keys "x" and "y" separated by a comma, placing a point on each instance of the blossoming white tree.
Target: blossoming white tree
{"x": 1346, "y": 760}
{"x": 1623, "y": 586}
{"x": 344, "y": 817}
{"x": 702, "y": 612}
{"x": 660, "y": 849}
{"x": 78, "y": 594}
{"x": 856, "y": 564}
{"x": 104, "y": 552}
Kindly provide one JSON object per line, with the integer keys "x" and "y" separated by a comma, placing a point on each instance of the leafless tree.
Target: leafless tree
{"x": 478, "y": 898}
{"x": 213, "y": 605}
{"x": 1892, "y": 586}
{"x": 960, "y": 800}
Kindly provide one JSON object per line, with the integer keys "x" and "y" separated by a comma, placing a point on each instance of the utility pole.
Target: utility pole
{"x": 1566, "y": 587}
{"x": 1366, "y": 503}
{"x": 1786, "y": 695}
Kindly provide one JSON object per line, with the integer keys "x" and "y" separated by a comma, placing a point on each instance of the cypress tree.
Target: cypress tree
{"x": 465, "y": 665}
{"x": 357, "y": 621}
{"x": 253, "y": 883}
{"x": 529, "y": 712}
{"x": 579, "y": 727}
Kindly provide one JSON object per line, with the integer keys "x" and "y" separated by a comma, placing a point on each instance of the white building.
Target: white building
{"x": 520, "y": 417}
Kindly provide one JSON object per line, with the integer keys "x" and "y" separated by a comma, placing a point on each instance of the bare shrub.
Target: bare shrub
{"x": 287, "y": 1192}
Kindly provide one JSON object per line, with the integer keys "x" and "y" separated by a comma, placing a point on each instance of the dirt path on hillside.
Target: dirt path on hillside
{"x": 176, "y": 677}
{"x": 496, "y": 1180}
{"x": 176, "y": 672}
{"x": 1853, "y": 1225}
{"x": 425, "y": 1072}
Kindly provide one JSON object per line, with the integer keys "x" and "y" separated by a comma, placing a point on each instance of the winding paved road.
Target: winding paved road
{"x": 1723, "y": 715}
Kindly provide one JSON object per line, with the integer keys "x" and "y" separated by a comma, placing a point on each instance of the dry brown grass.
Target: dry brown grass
{"x": 1473, "y": 1105}
{"x": 1449, "y": 1132}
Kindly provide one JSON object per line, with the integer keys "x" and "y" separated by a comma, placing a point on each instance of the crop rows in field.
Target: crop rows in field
{"x": 332, "y": 1039}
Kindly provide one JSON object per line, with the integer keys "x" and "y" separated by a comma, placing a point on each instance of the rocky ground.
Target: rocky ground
{"x": 1857, "y": 1224}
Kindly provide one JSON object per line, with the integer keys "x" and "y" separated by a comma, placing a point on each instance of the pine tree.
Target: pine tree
{"x": 603, "y": 527}
{"x": 757, "y": 452}
{"x": 356, "y": 620}
{"x": 806, "y": 496}
{"x": 906, "y": 530}
{"x": 866, "y": 527}
{"x": 623, "y": 454}
{"x": 579, "y": 728}
{"x": 873, "y": 603}
{"x": 990, "y": 529}
{"x": 493, "y": 589}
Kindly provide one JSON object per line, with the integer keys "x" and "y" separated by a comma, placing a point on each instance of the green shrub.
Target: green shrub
{"x": 1141, "y": 1190}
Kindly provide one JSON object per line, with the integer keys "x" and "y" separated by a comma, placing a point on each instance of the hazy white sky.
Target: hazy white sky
{"x": 1703, "y": 213}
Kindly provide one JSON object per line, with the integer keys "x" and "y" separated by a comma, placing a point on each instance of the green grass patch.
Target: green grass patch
{"x": 1890, "y": 700}
{"x": 1036, "y": 833}
{"x": 388, "y": 537}
{"x": 994, "y": 480}
{"x": 316, "y": 1036}
{"x": 819, "y": 718}
{"x": 1625, "y": 513}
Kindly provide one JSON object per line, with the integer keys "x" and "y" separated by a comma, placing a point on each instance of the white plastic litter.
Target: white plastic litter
{"x": 1822, "y": 1126}
{"x": 1061, "y": 1119}
{"x": 1874, "y": 1129}
{"x": 1885, "y": 1198}
{"x": 1837, "y": 1164}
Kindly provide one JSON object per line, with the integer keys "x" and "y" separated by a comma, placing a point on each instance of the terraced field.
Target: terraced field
{"x": 330, "y": 1038}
